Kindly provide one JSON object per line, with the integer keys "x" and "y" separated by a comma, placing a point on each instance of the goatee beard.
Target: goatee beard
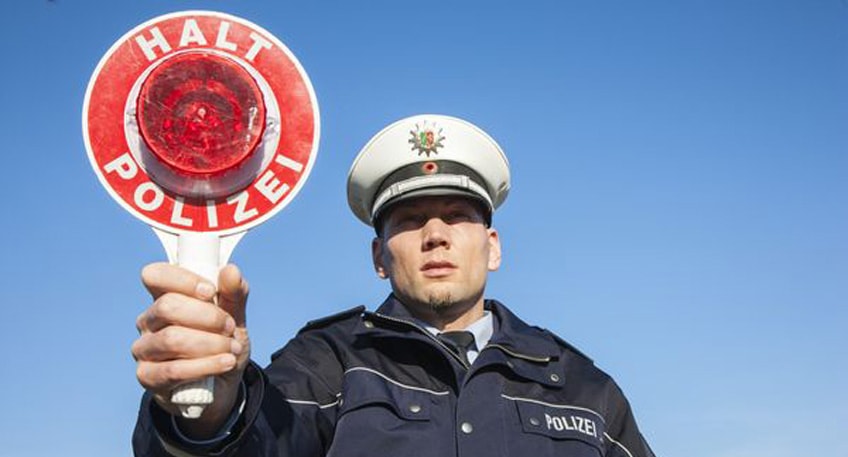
{"x": 440, "y": 303}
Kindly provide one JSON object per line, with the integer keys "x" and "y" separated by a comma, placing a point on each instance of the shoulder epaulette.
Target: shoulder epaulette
{"x": 569, "y": 346}
{"x": 325, "y": 321}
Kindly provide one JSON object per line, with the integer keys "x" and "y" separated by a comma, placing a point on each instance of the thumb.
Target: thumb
{"x": 232, "y": 293}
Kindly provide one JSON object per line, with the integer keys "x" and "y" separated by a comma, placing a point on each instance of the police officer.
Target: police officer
{"x": 436, "y": 370}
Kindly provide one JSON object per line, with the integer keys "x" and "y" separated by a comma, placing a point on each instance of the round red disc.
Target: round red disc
{"x": 200, "y": 113}
{"x": 224, "y": 127}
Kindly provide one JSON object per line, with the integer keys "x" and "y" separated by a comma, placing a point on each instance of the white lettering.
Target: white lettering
{"x": 222, "y": 42}
{"x": 591, "y": 429}
{"x": 270, "y": 187}
{"x": 577, "y": 423}
{"x": 177, "y": 214}
{"x": 212, "y": 213}
{"x": 558, "y": 423}
{"x": 580, "y": 424}
{"x": 124, "y": 165}
{"x": 259, "y": 43}
{"x": 158, "y": 40}
{"x": 288, "y": 163}
{"x": 155, "y": 202}
{"x": 191, "y": 34}
{"x": 242, "y": 213}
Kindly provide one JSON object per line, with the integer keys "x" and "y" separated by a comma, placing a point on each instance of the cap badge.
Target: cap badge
{"x": 429, "y": 168}
{"x": 426, "y": 139}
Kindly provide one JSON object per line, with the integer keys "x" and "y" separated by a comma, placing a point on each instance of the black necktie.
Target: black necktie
{"x": 459, "y": 342}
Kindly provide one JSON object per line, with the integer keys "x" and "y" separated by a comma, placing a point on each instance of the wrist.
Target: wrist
{"x": 215, "y": 422}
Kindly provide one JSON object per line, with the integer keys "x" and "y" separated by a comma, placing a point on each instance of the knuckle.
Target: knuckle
{"x": 154, "y": 313}
{"x": 140, "y": 322}
{"x": 136, "y": 350}
{"x": 171, "y": 338}
{"x": 165, "y": 309}
{"x": 166, "y": 305}
{"x": 143, "y": 376}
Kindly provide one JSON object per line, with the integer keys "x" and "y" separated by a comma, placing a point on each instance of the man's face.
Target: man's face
{"x": 437, "y": 252}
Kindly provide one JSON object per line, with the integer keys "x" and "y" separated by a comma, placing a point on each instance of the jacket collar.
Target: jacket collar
{"x": 528, "y": 351}
{"x": 392, "y": 307}
{"x": 516, "y": 336}
{"x": 511, "y": 335}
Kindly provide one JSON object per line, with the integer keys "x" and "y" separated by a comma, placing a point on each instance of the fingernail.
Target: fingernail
{"x": 205, "y": 290}
{"x": 235, "y": 347}
{"x": 228, "y": 361}
{"x": 230, "y": 325}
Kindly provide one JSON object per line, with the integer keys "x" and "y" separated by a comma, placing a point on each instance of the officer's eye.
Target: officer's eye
{"x": 408, "y": 220}
{"x": 455, "y": 217}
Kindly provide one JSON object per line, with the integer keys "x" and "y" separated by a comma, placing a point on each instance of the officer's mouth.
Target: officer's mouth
{"x": 437, "y": 269}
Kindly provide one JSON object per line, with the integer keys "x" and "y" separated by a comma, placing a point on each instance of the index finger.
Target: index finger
{"x": 161, "y": 278}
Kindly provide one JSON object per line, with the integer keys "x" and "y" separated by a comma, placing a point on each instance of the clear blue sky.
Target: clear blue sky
{"x": 679, "y": 207}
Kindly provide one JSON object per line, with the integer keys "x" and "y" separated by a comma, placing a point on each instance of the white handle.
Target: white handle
{"x": 199, "y": 253}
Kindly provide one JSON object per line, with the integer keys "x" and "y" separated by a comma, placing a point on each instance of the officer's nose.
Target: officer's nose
{"x": 435, "y": 234}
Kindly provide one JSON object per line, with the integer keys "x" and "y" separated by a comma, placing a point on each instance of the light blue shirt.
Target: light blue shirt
{"x": 482, "y": 329}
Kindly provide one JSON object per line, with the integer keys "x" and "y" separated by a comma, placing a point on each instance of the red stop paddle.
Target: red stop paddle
{"x": 203, "y": 125}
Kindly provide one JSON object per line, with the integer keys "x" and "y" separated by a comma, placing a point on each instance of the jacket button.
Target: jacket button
{"x": 466, "y": 428}
{"x": 415, "y": 408}
{"x": 555, "y": 377}
{"x": 534, "y": 421}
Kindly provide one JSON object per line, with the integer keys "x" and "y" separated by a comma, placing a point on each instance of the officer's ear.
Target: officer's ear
{"x": 494, "y": 261}
{"x": 377, "y": 257}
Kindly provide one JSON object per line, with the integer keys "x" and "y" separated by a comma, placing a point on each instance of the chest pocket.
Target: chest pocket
{"x": 562, "y": 429}
{"x": 365, "y": 388}
{"x": 380, "y": 416}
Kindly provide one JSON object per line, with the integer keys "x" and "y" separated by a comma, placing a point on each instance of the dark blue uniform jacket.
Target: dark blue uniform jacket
{"x": 376, "y": 384}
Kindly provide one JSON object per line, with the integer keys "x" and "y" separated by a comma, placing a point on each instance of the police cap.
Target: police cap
{"x": 427, "y": 155}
